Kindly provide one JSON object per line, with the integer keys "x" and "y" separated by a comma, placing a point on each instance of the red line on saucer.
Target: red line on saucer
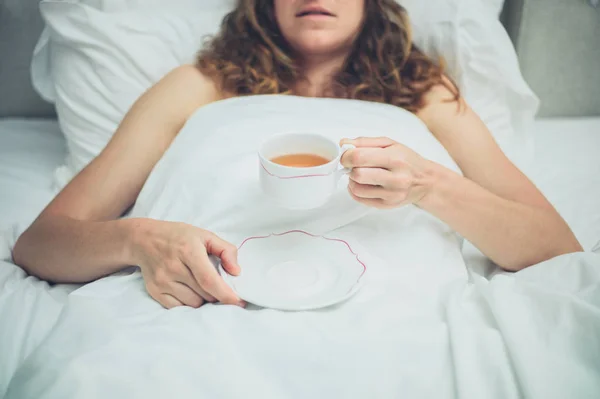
{"x": 315, "y": 236}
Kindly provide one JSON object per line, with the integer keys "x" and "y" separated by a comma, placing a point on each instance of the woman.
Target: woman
{"x": 359, "y": 49}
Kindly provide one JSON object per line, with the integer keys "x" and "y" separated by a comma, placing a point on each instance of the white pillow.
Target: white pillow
{"x": 161, "y": 5}
{"x": 481, "y": 58}
{"x": 497, "y": 5}
{"x": 95, "y": 63}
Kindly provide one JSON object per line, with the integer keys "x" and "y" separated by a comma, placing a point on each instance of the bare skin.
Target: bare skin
{"x": 80, "y": 238}
{"x": 494, "y": 205}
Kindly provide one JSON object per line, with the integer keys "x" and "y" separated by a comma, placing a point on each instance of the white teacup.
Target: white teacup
{"x": 301, "y": 187}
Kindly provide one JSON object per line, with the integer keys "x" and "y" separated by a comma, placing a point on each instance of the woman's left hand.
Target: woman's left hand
{"x": 386, "y": 174}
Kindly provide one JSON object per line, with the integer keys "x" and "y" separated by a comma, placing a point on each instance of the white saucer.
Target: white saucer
{"x": 296, "y": 271}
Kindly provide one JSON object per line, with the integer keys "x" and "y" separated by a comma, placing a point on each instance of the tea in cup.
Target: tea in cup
{"x": 301, "y": 170}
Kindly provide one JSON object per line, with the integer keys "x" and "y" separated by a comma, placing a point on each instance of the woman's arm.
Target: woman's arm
{"x": 512, "y": 233}
{"x": 494, "y": 205}
{"x": 78, "y": 238}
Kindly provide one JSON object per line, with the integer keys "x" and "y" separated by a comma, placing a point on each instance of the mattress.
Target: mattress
{"x": 566, "y": 169}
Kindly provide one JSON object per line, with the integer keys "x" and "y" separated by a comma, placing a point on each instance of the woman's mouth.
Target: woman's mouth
{"x": 314, "y": 13}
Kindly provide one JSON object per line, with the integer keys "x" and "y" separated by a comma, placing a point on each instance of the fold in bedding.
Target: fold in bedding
{"x": 29, "y": 309}
{"x": 532, "y": 334}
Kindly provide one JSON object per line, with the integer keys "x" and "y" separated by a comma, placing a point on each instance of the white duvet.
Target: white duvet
{"x": 423, "y": 326}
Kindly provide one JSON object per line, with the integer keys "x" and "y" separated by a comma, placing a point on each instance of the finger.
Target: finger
{"x": 377, "y": 203}
{"x": 189, "y": 280}
{"x": 367, "y": 158}
{"x": 367, "y": 191}
{"x": 169, "y": 301}
{"x": 206, "y": 296}
{"x": 380, "y": 142}
{"x": 226, "y": 251}
{"x": 372, "y": 176}
{"x": 209, "y": 279}
{"x": 185, "y": 295}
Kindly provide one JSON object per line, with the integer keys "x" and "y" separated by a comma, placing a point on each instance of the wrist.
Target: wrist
{"x": 437, "y": 181}
{"x": 135, "y": 233}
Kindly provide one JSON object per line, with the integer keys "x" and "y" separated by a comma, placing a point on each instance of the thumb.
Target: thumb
{"x": 230, "y": 263}
{"x": 377, "y": 142}
{"x": 226, "y": 251}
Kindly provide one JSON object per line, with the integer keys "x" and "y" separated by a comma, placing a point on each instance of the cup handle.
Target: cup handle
{"x": 344, "y": 171}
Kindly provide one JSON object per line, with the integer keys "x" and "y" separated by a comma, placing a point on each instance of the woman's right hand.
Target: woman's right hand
{"x": 175, "y": 264}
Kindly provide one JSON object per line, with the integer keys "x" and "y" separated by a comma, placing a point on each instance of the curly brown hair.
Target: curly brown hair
{"x": 249, "y": 56}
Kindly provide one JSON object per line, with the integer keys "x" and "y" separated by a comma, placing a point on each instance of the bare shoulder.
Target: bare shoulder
{"x": 441, "y": 98}
{"x": 186, "y": 87}
{"x": 439, "y": 94}
{"x": 191, "y": 75}
{"x": 110, "y": 184}
{"x": 169, "y": 103}
{"x": 458, "y": 128}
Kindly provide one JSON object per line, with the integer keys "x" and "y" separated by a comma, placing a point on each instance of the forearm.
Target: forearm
{"x": 512, "y": 234}
{"x": 65, "y": 250}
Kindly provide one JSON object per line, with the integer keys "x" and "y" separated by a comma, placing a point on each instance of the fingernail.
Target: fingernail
{"x": 242, "y": 304}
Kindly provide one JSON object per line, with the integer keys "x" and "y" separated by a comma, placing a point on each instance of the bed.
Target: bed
{"x": 565, "y": 168}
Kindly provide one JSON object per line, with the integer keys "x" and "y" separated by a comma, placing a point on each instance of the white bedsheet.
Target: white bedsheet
{"x": 525, "y": 320}
{"x": 30, "y": 150}
{"x": 567, "y": 169}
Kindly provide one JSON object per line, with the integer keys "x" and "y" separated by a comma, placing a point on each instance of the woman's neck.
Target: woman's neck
{"x": 318, "y": 75}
